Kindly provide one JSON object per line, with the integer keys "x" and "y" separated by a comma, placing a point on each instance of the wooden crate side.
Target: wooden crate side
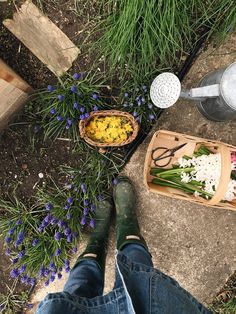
{"x": 7, "y": 74}
{"x": 11, "y": 101}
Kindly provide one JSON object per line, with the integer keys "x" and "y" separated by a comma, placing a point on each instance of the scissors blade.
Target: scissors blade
{"x": 178, "y": 147}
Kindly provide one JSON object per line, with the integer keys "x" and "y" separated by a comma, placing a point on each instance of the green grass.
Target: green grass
{"x": 143, "y": 37}
{"x": 228, "y": 307}
{"x": 13, "y": 302}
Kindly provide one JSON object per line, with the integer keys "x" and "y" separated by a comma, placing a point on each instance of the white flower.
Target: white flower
{"x": 231, "y": 192}
{"x": 185, "y": 177}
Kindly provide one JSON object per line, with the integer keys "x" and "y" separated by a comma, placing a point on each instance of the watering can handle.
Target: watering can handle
{"x": 206, "y": 91}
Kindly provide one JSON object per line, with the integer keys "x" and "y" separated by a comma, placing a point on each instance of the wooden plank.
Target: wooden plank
{"x": 11, "y": 101}
{"x": 7, "y": 74}
{"x": 43, "y": 38}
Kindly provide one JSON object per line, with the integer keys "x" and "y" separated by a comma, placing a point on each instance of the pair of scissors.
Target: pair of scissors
{"x": 161, "y": 153}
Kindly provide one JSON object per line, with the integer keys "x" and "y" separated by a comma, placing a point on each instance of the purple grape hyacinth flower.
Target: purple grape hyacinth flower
{"x": 74, "y": 249}
{"x": 83, "y": 221}
{"x": 54, "y": 272}
{"x": 21, "y": 254}
{"x": 76, "y": 76}
{"x": 92, "y": 223}
{"x": 86, "y": 115}
{"x": 21, "y": 235}
{"x": 93, "y": 207}
{"x": 40, "y": 229}
{"x": 83, "y": 188}
{"x": 60, "y": 97}
{"x": 15, "y": 260}
{"x": 49, "y": 206}
{"x": 8, "y": 252}
{"x": 41, "y": 271}
{"x": 82, "y": 117}
{"x": 35, "y": 242}
{"x": 22, "y": 269}
{"x": 46, "y": 283}
{"x": 82, "y": 110}
{"x": 11, "y": 231}
{"x": 95, "y": 108}
{"x": 67, "y": 231}
{"x": 30, "y": 305}
{"x": 86, "y": 211}
{"x": 54, "y": 221}
{"x": 69, "y": 238}
{"x": 59, "y": 118}
{"x": 14, "y": 273}
{"x": 151, "y": 117}
{"x": 57, "y": 236}
{"x": 114, "y": 181}
{"x": 18, "y": 222}
{"x": 95, "y": 96}
{"x": 8, "y": 239}
{"x": 51, "y": 266}
{"x": 135, "y": 114}
{"x": 33, "y": 281}
{"x": 126, "y": 95}
{"x": 100, "y": 198}
{"x": 50, "y": 88}
{"x": 59, "y": 276}
{"x": 67, "y": 269}
{"x": 86, "y": 202}
{"x": 23, "y": 279}
{"x": 70, "y": 200}
{"x": 48, "y": 218}
{"x": 73, "y": 89}
{"x": 68, "y": 216}
{"x": 53, "y": 111}
{"x": 75, "y": 105}
{"x": 28, "y": 281}
{"x": 67, "y": 206}
{"x": 46, "y": 272}
{"x": 57, "y": 252}
{"x": 61, "y": 223}
{"x": 66, "y": 262}
{"x": 69, "y": 121}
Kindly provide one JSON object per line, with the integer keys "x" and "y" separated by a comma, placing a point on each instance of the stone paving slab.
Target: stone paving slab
{"x": 192, "y": 243}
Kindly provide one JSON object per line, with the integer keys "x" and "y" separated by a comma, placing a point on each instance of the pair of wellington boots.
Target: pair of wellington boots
{"x": 127, "y": 227}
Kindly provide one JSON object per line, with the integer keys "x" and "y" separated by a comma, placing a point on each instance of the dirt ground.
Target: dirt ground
{"x": 23, "y": 153}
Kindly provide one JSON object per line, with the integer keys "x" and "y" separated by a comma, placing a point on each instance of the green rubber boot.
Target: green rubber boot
{"x": 98, "y": 242}
{"x": 127, "y": 227}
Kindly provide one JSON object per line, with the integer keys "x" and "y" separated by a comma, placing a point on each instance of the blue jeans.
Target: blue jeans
{"x": 139, "y": 289}
{"x": 86, "y": 279}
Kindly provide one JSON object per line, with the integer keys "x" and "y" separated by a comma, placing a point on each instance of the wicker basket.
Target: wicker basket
{"x": 171, "y": 139}
{"x": 105, "y": 113}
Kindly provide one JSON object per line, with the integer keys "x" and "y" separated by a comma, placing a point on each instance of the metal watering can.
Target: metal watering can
{"x": 215, "y": 97}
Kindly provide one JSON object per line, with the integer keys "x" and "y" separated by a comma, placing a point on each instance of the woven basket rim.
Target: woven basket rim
{"x": 112, "y": 112}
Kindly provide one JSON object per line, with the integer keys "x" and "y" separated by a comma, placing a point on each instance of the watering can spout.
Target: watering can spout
{"x": 209, "y": 91}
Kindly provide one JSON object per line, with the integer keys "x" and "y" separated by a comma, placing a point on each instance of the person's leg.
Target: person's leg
{"x": 87, "y": 276}
{"x": 129, "y": 239}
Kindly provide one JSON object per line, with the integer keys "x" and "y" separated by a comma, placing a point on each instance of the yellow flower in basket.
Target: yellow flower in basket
{"x": 109, "y": 129}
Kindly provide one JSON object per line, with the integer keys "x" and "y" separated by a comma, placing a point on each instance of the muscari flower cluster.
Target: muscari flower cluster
{"x": 17, "y": 239}
{"x": 77, "y": 111}
{"x": 138, "y": 103}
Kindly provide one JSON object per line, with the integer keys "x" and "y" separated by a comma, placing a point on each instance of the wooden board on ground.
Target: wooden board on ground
{"x": 43, "y": 38}
{"x": 7, "y": 74}
{"x": 11, "y": 100}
